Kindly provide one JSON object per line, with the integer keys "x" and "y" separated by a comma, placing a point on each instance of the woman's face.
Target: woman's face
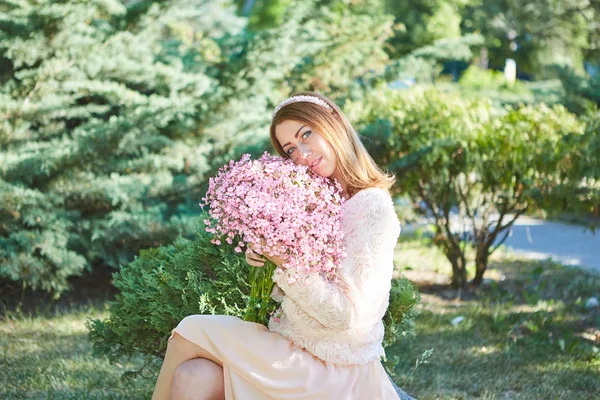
{"x": 304, "y": 146}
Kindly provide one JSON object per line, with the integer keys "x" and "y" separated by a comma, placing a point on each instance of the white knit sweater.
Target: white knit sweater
{"x": 342, "y": 322}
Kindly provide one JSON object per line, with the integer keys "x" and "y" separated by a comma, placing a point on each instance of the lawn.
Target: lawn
{"x": 525, "y": 335}
{"x": 49, "y": 357}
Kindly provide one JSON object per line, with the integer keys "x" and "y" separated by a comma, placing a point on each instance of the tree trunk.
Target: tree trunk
{"x": 484, "y": 60}
{"x": 481, "y": 262}
{"x": 459, "y": 271}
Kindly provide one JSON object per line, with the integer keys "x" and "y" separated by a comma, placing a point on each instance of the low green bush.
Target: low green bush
{"x": 162, "y": 286}
{"x": 399, "y": 319}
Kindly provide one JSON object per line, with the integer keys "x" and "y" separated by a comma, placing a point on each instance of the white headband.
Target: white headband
{"x": 304, "y": 99}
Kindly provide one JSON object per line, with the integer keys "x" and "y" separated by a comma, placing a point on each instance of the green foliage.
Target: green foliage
{"x": 399, "y": 319}
{"x": 350, "y": 55}
{"x": 537, "y": 33}
{"x": 264, "y": 14}
{"x": 479, "y": 79}
{"x": 501, "y": 96}
{"x": 103, "y": 105}
{"x": 34, "y": 233}
{"x": 117, "y": 112}
{"x": 454, "y": 157}
{"x": 582, "y": 92}
{"x": 164, "y": 285}
{"x": 424, "y": 64}
{"x": 584, "y": 172}
{"x": 421, "y": 23}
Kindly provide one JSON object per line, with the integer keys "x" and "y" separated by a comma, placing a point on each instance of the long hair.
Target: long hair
{"x": 356, "y": 167}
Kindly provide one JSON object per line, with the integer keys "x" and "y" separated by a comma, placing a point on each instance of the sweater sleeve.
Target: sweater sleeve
{"x": 342, "y": 304}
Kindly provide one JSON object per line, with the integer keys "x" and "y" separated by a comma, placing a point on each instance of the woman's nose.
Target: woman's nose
{"x": 303, "y": 153}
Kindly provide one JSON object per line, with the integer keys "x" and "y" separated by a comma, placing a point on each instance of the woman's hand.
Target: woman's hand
{"x": 258, "y": 260}
{"x": 276, "y": 260}
{"x": 254, "y": 259}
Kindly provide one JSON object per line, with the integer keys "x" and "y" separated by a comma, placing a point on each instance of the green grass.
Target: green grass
{"x": 525, "y": 335}
{"x": 49, "y": 357}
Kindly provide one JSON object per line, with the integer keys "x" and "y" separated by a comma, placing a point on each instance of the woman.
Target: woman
{"x": 327, "y": 341}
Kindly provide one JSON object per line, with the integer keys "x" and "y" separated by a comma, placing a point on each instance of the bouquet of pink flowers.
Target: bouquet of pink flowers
{"x": 276, "y": 207}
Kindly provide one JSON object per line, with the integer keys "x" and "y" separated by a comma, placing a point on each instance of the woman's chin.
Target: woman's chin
{"x": 324, "y": 172}
{"x": 328, "y": 174}
{"x": 322, "y": 169}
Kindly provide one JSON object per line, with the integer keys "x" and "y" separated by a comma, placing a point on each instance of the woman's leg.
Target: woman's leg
{"x": 179, "y": 350}
{"x": 198, "y": 379}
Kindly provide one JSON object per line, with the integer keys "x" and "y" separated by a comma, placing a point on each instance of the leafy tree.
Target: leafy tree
{"x": 537, "y": 33}
{"x": 263, "y": 14}
{"x": 582, "y": 92}
{"x": 583, "y": 174}
{"x": 421, "y": 23}
{"x": 425, "y": 64}
{"x": 471, "y": 172}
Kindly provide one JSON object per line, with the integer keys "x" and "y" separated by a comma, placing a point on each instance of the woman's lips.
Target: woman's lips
{"x": 316, "y": 163}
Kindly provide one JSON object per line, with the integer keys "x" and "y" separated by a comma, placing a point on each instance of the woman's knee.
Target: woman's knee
{"x": 198, "y": 379}
{"x": 181, "y": 348}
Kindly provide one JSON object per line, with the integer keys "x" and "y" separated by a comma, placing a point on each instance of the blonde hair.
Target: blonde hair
{"x": 356, "y": 167}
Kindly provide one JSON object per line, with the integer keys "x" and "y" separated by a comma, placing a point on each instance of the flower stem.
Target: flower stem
{"x": 260, "y": 304}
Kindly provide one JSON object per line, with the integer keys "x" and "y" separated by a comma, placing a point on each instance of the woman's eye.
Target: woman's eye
{"x": 290, "y": 151}
{"x": 306, "y": 134}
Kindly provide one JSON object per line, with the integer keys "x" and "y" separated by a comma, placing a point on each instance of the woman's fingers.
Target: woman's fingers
{"x": 254, "y": 255}
{"x": 254, "y": 258}
{"x": 257, "y": 264}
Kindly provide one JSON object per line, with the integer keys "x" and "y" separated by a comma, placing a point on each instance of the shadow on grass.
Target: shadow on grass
{"x": 29, "y": 343}
{"x": 479, "y": 358}
{"x": 91, "y": 289}
{"x": 522, "y": 282}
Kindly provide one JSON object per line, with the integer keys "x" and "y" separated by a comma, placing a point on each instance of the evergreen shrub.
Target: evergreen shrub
{"x": 101, "y": 152}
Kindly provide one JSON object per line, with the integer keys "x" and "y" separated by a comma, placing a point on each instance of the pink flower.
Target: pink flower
{"x": 276, "y": 206}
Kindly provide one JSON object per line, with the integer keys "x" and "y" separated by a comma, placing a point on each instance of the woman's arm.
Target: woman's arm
{"x": 341, "y": 304}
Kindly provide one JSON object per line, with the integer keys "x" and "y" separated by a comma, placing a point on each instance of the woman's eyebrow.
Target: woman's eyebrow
{"x": 296, "y": 136}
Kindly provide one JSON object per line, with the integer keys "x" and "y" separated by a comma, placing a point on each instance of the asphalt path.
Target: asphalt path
{"x": 567, "y": 244}
{"x": 539, "y": 239}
